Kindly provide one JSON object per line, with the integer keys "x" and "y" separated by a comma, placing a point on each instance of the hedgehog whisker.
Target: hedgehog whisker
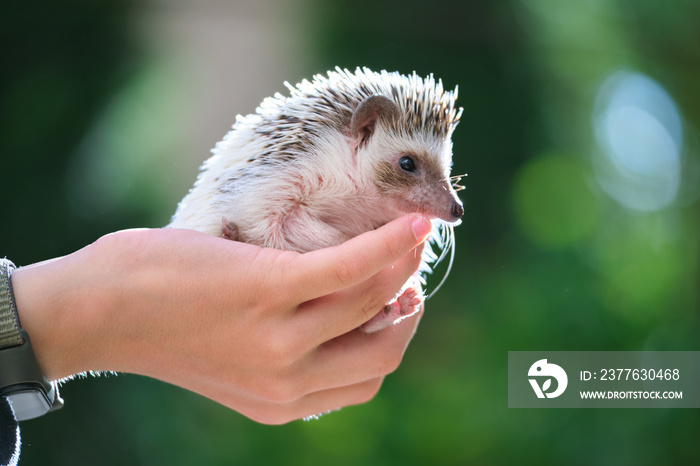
{"x": 447, "y": 243}
{"x": 455, "y": 182}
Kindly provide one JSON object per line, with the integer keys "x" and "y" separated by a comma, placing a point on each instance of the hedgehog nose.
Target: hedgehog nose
{"x": 457, "y": 210}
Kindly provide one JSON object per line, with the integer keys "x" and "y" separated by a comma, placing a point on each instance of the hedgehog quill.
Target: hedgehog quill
{"x": 345, "y": 153}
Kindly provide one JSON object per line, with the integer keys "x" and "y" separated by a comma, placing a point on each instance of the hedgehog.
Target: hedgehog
{"x": 343, "y": 154}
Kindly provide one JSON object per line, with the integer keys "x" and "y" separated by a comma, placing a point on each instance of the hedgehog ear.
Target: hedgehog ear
{"x": 368, "y": 112}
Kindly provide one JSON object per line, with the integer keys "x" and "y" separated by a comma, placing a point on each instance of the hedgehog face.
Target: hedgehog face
{"x": 413, "y": 171}
{"x": 410, "y": 166}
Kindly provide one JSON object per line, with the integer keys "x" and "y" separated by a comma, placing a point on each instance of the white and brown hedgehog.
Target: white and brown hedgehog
{"x": 342, "y": 155}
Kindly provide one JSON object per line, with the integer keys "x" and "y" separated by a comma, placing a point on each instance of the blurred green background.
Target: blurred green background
{"x": 579, "y": 136}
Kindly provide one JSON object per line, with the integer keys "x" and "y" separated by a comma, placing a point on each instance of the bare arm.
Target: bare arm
{"x": 267, "y": 333}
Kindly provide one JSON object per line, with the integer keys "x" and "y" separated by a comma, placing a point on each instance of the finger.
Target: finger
{"x": 329, "y": 316}
{"x": 309, "y": 406}
{"x": 332, "y": 269}
{"x": 345, "y": 371}
{"x": 357, "y": 356}
{"x": 265, "y": 407}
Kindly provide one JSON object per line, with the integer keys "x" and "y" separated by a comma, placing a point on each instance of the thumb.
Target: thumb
{"x": 332, "y": 269}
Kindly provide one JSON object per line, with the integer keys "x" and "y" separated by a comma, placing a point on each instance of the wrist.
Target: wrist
{"x": 52, "y": 311}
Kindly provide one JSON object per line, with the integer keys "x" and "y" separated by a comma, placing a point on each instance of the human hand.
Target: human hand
{"x": 271, "y": 334}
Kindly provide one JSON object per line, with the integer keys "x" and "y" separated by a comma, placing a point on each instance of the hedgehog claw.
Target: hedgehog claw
{"x": 229, "y": 230}
{"x": 407, "y": 304}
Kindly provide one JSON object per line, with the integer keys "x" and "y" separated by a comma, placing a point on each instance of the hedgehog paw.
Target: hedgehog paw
{"x": 407, "y": 304}
{"x": 229, "y": 230}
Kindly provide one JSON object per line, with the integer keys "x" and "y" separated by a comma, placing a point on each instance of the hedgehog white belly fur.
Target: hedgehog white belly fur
{"x": 342, "y": 155}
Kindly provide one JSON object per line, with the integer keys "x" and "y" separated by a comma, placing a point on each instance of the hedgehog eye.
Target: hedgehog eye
{"x": 407, "y": 163}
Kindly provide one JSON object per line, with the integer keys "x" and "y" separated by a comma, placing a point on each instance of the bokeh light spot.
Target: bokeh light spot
{"x": 639, "y": 135}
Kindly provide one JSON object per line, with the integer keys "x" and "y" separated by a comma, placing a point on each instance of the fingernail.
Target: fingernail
{"x": 421, "y": 227}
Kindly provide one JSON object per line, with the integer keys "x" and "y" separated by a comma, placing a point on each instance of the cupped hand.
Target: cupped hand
{"x": 271, "y": 334}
